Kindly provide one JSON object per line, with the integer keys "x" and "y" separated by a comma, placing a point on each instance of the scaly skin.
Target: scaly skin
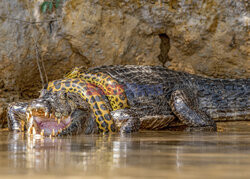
{"x": 89, "y": 93}
{"x": 138, "y": 97}
{"x": 110, "y": 87}
{"x": 220, "y": 99}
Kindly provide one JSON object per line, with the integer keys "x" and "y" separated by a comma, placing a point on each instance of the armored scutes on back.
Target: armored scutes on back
{"x": 129, "y": 98}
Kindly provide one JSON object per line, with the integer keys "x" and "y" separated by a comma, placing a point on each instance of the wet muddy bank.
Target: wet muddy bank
{"x": 143, "y": 155}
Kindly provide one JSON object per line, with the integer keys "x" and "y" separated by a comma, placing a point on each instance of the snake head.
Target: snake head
{"x": 75, "y": 72}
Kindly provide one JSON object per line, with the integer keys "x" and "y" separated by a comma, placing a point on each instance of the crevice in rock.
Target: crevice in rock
{"x": 165, "y": 47}
{"x": 1, "y": 84}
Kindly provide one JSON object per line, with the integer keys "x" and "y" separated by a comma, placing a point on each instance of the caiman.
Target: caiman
{"x": 128, "y": 98}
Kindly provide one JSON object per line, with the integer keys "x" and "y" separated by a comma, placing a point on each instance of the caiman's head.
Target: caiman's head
{"x": 59, "y": 113}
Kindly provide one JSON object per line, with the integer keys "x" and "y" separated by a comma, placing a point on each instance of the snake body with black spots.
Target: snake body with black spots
{"x": 129, "y": 98}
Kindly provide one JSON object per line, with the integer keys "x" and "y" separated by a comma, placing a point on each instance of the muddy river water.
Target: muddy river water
{"x": 164, "y": 154}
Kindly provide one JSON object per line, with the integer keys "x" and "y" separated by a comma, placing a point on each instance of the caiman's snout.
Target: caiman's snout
{"x": 40, "y": 105}
{"x": 44, "y": 120}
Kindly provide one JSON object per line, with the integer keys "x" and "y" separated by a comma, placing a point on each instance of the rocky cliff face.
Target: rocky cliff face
{"x": 203, "y": 37}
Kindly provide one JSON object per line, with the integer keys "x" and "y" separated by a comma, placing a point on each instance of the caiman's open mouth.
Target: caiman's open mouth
{"x": 45, "y": 124}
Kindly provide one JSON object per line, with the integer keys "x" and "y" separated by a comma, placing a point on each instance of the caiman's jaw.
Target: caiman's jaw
{"x": 44, "y": 123}
{"x": 46, "y": 117}
{"x": 57, "y": 113}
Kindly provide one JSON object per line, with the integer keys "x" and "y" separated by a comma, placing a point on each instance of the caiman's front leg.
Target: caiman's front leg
{"x": 187, "y": 111}
{"x": 17, "y": 116}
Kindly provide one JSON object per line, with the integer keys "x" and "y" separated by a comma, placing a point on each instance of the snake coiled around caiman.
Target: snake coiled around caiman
{"x": 128, "y": 98}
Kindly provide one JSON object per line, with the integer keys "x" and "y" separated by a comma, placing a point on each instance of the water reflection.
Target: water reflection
{"x": 144, "y": 154}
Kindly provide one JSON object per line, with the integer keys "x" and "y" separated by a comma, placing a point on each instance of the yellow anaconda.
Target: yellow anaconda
{"x": 110, "y": 87}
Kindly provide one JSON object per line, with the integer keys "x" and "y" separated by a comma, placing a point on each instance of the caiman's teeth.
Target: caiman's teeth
{"x": 56, "y": 119}
{"x": 27, "y": 115}
{"x": 50, "y": 115}
{"x": 31, "y": 118}
{"x": 29, "y": 130}
{"x": 33, "y": 131}
{"x": 59, "y": 121}
{"x": 42, "y": 133}
{"x": 53, "y": 133}
{"x": 46, "y": 114}
{"x": 22, "y": 126}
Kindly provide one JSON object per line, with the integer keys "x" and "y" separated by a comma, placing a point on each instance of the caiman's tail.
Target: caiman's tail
{"x": 227, "y": 100}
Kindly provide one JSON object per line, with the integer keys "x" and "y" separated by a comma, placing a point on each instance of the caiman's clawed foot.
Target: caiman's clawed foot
{"x": 185, "y": 108}
{"x": 17, "y": 116}
{"x": 126, "y": 121}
